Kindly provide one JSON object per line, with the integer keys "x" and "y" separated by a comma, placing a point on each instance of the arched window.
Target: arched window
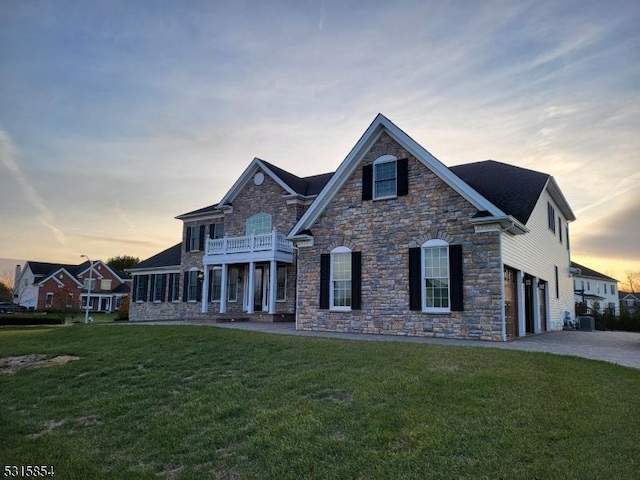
{"x": 435, "y": 276}
{"x": 259, "y": 224}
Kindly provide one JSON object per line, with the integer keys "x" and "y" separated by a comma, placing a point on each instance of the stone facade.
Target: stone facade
{"x": 383, "y": 231}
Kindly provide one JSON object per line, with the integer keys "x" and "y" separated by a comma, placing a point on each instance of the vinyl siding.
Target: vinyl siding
{"x": 538, "y": 252}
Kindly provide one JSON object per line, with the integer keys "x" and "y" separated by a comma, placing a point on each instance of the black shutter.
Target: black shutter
{"x": 187, "y": 241}
{"x": 356, "y": 280}
{"x": 134, "y": 289}
{"x": 185, "y": 289}
{"x": 325, "y": 260}
{"x": 152, "y": 295}
{"x": 212, "y": 230}
{"x": 199, "y": 292}
{"x": 455, "y": 269}
{"x": 415, "y": 279}
{"x": 202, "y": 229}
{"x": 170, "y": 287}
{"x": 403, "y": 176}
{"x": 367, "y": 182}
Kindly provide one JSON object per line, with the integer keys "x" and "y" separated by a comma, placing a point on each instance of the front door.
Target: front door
{"x": 542, "y": 292}
{"x": 528, "y": 303}
{"x": 511, "y": 301}
{"x": 261, "y": 289}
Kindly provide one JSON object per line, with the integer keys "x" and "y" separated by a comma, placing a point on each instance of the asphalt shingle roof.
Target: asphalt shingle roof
{"x": 587, "y": 272}
{"x": 167, "y": 258}
{"x": 514, "y": 190}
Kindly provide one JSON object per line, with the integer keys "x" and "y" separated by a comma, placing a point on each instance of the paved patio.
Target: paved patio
{"x": 622, "y": 348}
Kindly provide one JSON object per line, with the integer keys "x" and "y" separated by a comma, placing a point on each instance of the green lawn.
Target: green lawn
{"x": 201, "y": 402}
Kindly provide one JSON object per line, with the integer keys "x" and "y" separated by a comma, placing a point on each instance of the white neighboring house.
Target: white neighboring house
{"x": 594, "y": 289}
{"x": 629, "y": 301}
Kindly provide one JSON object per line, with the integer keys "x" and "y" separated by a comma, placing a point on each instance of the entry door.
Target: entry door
{"x": 511, "y": 301}
{"x": 542, "y": 293}
{"x": 261, "y": 289}
{"x": 528, "y": 303}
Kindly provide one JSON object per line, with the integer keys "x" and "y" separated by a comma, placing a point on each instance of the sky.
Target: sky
{"x": 118, "y": 115}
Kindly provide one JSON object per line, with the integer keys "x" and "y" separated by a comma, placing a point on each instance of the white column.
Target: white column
{"x": 522, "y": 324}
{"x": 205, "y": 290}
{"x": 273, "y": 284}
{"x": 252, "y": 273}
{"x": 223, "y": 289}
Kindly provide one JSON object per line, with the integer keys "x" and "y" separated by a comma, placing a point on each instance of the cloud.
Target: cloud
{"x": 7, "y": 158}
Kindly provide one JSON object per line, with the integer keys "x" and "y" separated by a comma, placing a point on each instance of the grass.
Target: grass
{"x": 201, "y": 402}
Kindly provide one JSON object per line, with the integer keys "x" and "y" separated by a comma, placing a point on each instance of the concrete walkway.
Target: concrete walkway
{"x": 622, "y": 348}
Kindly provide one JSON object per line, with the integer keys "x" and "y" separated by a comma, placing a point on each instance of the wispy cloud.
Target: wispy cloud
{"x": 8, "y": 160}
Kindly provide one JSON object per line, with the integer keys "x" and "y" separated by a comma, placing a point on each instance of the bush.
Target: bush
{"x": 123, "y": 312}
{"x": 31, "y": 319}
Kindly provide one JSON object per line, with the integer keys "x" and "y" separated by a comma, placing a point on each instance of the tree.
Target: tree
{"x": 633, "y": 281}
{"x": 6, "y": 294}
{"x": 122, "y": 262}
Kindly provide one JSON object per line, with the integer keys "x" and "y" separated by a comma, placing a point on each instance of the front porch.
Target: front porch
{"x": 248, "y": 275}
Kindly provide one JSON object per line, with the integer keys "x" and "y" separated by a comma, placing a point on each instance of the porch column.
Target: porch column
{"x": 223, "y": 289}
{"x": 205, "y": 290}
{"x": 537, "y": 328}
{"x": 251, "y": 293}
{"x": 273, "y": 284}
{"x": 522, "y": 322}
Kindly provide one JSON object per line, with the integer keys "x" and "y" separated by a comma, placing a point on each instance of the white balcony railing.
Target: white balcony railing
{"x": 273, "y": 241}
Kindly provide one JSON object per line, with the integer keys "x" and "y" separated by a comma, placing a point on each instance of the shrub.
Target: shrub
{"x": 123, "y": 311}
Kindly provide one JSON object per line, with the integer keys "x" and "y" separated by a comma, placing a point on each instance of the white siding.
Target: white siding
{"x": 538, "y": 252}
{"x": 607, "y": 289}
{"x": 26, "y": 291}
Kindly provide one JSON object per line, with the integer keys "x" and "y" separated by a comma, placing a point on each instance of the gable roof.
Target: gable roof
{"x": 588, "y": 272}
{"x": 46, "y": 268}
{"x": 292, "y": 184}
{"x": 514, "y": 190}
{"x": 166, "y": 258}
{"x": 382, "y": 124}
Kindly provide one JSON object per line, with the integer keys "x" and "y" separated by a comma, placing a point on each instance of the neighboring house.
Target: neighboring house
{"x": 593, "y": 290}
{"x": 393, "y": 242}
{"x": 629, "y": 301}
{"x": 40, "y": 286}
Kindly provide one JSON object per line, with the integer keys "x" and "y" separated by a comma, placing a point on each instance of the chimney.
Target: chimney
{"x": 16, "y": 278}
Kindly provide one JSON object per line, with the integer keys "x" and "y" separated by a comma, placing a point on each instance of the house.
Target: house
{"x": 43, "y": 286}
{"x": 594, "y": 290}
{"x": 629, "y": 301}
{"x": 393, "y": 242}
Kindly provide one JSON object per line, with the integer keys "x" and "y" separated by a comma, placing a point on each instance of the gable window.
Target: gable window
{"x": 340, "y": 279}
{"x": 89, "y": 283}
{"x": 259, "y": 224}
{"x": 551, "y": 217}
{"x": 435, "y": 277}
{"x": 384, "y": 177}
{"x": 105, "y": 284}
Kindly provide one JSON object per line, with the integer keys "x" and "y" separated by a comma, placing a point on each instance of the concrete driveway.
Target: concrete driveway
{"x": 622, "y": 348}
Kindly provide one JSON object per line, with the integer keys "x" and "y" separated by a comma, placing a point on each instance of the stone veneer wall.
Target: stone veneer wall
{"x": 384, "y": 231}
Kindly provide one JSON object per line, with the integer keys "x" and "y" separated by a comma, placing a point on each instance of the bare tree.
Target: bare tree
{"x": 633, "y": 281}
{"x": 6, "y": 286}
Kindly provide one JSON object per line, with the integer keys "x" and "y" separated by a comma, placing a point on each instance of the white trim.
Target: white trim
{"x": 381, "y": 125}
{"x": 434, "y": 243}
{"x": 342, "y": 250}
{"x": 379, "y": 161}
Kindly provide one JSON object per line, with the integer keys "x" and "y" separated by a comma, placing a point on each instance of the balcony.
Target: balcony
{"x": 265, "y": 247}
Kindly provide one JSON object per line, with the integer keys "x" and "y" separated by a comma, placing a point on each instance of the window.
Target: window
{"x": 141, "y": 283}
{"x": 259, "y": 224}
{"x": 582, "y": 287}
{"x": 384, "y": 177}
{"x": 105, "y": 284}
{"x": 216, "y": 284}
{"x": 435, "y": 276}
{"x": 159, "y": 287}
{"x": 174, "y": 287}
{"x": 216, "y": 230}
{"x": 193, "y": 235}
{"x": 560, "y": 229}
{"x": 89, "y": 281}
{"x": 566, "y": 231}
{"x": 341, "y": 278}
{"x": 192, "y": 286}
{"x": 232, "y": 284}
{"x": 48, "y": 300}
{"x": 551, "y": 214}
{"x": 557, "y": 283}
{"x": 281, "y": 294}
{"x": 613, "y": 289}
